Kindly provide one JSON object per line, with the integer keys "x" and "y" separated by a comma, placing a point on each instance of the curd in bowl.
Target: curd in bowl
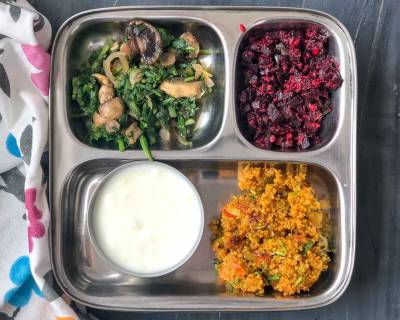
{"x": 146, "y": 218}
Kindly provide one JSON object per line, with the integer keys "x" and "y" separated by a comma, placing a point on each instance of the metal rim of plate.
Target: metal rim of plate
{"x": 337, "y": 157}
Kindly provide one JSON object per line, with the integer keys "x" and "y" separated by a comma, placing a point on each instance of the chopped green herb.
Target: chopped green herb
{"x": 307, "y": 247}
{"x": 299, "y": 280}
{"x": 253, "y": 195}
{"x": 274, "y": 277}
{"x": 235, "y": 282}
{"x": 282, "y": 251}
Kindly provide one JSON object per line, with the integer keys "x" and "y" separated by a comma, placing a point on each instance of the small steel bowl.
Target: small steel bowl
{"x": 92, "y": 233}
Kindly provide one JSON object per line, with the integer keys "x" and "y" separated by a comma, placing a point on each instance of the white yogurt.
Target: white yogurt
{"x": 147, "y": 218}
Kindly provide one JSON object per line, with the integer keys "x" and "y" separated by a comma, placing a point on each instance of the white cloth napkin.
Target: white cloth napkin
{"x": 27, "y": 289}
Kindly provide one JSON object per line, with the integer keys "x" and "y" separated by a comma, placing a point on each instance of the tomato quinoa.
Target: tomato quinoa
{"x": 272, "y": 234}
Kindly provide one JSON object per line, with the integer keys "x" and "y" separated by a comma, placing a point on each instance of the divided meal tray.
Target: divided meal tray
{"x": 211, "y": 164}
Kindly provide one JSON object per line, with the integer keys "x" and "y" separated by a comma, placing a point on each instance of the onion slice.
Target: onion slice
{"x": 165, "y": 134}
{"x": 198, "y": 68}
{"x": 107, "y": 64}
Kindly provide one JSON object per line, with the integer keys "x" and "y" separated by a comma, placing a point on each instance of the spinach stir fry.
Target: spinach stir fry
{"x": 143, "y": 89}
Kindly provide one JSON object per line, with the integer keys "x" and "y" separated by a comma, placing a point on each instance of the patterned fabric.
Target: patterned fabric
{"x": 27, "y": 288}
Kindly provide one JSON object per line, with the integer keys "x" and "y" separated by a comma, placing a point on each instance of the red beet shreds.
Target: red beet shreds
{"x": 286, "y": 91}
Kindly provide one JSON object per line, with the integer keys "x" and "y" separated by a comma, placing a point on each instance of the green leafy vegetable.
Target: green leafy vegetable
{"x": 190, "y": 122}
{"x": 166, "y": 37}
{"x": 123, "y": 121}
{"x": 188, "y": 79}
{"x": 96, "y": 59}
{"x": 100, "y": 133}
{"x": 121, "y": 144}
{"x": 145, "y": 147}
{"x": 151, "y": 108}
{"x": 84, "y": 92}
{"x": 172, "y": 111}
{"x": 181, "y": 46}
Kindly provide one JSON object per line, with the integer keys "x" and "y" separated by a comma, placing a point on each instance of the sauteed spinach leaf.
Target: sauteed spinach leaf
{"x": 122, "y": 99}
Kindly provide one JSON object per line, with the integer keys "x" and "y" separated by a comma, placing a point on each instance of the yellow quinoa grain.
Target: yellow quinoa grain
{"x": 272, "y": 233}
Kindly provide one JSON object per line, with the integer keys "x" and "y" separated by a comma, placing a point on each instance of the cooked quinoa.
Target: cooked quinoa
{"x": 272, "y": 234}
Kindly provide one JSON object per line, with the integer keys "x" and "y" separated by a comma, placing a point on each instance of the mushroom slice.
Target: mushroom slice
{"x": 179, "y": 88}
{"x": 98, "y": 120}
{"x": 112, "y": 126}
{"x": 102, "y": 79}
{"x": 129, "y": 48}
{"x": 168, "y": 58}
{"x": 192, "y": 42}
{"x": 107, "y": 64}
{"x": 106, "y": 93}
{"x": 112, "y": 109}
{"x": 164, "y": 134}
{"x": 133, "y": 133}
{"x": 147, "y": 39}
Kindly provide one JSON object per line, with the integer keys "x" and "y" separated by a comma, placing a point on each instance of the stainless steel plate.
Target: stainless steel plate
{"x": 211, "y": 164}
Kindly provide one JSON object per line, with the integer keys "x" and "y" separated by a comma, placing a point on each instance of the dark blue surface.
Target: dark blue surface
{"x": 374, "y": 292}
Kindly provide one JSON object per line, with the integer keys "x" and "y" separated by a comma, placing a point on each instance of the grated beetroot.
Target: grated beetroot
{"x": 288, "y": 80}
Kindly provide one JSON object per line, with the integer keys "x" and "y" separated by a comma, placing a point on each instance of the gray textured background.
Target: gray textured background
{"x": 374, "y": 25}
